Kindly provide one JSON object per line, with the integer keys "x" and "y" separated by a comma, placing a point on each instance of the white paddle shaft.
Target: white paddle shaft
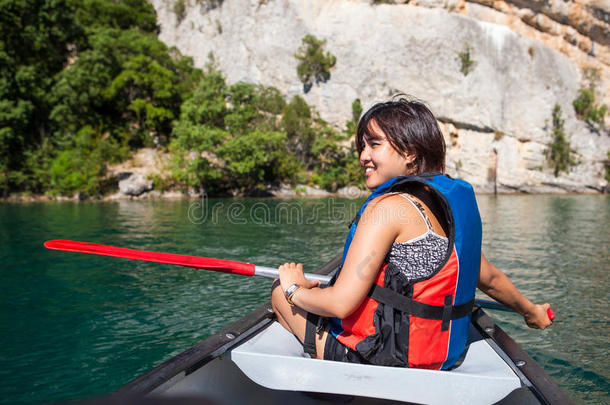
{"x": 272, "y": 272}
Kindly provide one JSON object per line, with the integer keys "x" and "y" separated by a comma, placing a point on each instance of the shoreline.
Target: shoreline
{"x": 179, "y": 196}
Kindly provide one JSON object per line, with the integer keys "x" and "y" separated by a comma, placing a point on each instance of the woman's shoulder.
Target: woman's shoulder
{"x": 390, "y": 200}
{"x": 390, "y": 208}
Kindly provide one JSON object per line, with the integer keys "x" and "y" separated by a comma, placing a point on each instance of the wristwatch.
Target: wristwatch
{"x": 290, "y": 292}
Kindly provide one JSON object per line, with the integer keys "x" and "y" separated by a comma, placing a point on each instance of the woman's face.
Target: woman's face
{"x": 380, "y": 160}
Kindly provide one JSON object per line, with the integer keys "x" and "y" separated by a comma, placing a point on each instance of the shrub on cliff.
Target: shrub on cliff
{"x": 560, "y": 154}
{"x": 465, "y": 59}
{"x": 585, "y": 104}
{"x": 179, "y": 9}
{"x": 314, "y": 64}
{"x": 588, "y": 110}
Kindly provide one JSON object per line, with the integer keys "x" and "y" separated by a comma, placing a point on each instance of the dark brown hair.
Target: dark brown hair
{"x": 410, "y": 128}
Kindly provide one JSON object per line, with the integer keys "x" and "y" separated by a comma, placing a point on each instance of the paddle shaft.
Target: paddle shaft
{"x": 272, "y": 272}
{"x": 197, "y": 262}
{"x": 205, "y": 263}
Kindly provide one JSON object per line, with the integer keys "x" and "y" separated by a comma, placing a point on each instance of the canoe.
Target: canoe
{"x": 256, "y": 361}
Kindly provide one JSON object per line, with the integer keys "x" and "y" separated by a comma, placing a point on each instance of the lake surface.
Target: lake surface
{"x": 75, "y": 325}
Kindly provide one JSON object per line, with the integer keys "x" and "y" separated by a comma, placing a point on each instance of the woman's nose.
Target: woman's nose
{"x": 365, "y": 155}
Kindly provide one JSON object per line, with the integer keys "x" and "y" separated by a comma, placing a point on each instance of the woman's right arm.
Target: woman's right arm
{"x": 377, "y": 230}
{"x": 493, "y": 282}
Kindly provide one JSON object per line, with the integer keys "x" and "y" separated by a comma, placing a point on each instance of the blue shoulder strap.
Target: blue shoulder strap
{"x": 382, "y": 189}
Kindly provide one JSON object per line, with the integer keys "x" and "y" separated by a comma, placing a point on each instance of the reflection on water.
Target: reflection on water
{"x": 77, "y": 325}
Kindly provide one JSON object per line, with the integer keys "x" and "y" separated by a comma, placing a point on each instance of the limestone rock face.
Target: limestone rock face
{"x": 495, "y": 118}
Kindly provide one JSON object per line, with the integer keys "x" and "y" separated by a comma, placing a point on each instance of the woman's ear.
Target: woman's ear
{"x": 411, "y": 163}
{"x": 410, "y": 158}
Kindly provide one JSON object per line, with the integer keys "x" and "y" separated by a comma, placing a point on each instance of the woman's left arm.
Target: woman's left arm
{"x": 493, "y": 282}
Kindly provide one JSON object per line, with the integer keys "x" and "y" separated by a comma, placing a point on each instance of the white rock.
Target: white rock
{"x": 283, "y": 190}
{"x": 311, "y": 191}
{"x": 351, "y": 192}
{"x": 135, "y": 184}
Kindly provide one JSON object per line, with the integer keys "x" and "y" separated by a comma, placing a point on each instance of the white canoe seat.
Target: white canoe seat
{"x": 275, "y": 359}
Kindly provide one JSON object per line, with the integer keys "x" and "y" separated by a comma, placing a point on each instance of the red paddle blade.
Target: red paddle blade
{"x": 224, "y": 266}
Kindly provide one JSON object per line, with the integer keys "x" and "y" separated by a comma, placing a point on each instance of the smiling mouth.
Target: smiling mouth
{"x": 368, "y": 170}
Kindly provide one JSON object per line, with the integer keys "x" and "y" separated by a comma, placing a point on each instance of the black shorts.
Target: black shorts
{"x": 337, "y": 351}
{"x": 333, "y": 349}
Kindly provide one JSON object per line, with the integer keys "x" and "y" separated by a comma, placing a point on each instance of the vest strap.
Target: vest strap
{"x": 446, "y": 312}
{"x": 309, "y": 341}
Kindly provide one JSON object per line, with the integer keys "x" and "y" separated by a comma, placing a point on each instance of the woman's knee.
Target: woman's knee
{"x": 275, "y": 284}
{"x": 276, "y": 294}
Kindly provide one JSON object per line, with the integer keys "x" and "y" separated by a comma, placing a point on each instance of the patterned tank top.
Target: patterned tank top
{"x": 418, "y": 258}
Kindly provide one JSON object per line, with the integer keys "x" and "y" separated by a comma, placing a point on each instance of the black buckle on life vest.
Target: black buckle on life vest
{"x": 447, "y": 309}
{"x": 446, "y": 313}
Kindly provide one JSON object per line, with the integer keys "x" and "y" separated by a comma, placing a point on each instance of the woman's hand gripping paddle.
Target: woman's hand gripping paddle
{"x": 496, "y": 305}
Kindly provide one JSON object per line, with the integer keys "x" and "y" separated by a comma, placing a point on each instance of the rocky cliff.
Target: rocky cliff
{"x": 528, "y": 56}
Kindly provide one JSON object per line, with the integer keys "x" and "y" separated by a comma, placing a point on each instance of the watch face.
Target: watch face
{"x": 291, "y": 289}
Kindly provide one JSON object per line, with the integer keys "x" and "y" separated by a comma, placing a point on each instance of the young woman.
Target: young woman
{"x": 412, "y": 260}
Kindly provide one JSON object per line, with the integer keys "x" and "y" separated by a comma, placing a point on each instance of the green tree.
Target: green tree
{"x": 271, "y": 100}
{"x": 336, "y": 164}
{"x": 82, "y": 81}
{"x": 70, "y": 66}
{"x": 352, "y": 125}
{"x": 585, "y": 105}
{"x": 314, "y": 64}
{"x": 560, "y": 154}
{"x": 257, "y": 157}
{"x": 356, "y": 111}
{"x": 226, "y": 136}
{"x": 128, "y": 84}
{"x": 38, "y": 38}
{"x": 244, "y": 112}
{"x": 82, "y": 166}
{"x": 193, "y": 162}
{"x": 144, "y": 91}
{"x": 207, "y": 104}
{"x": 296, "y": 123}
{"x": 199, "y": 132}
{"x": 179, "y": 9}
{"x": 122, "y": 15}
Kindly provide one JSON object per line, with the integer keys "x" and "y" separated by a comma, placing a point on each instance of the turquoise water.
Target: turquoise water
{"x": 75, "y": 325}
